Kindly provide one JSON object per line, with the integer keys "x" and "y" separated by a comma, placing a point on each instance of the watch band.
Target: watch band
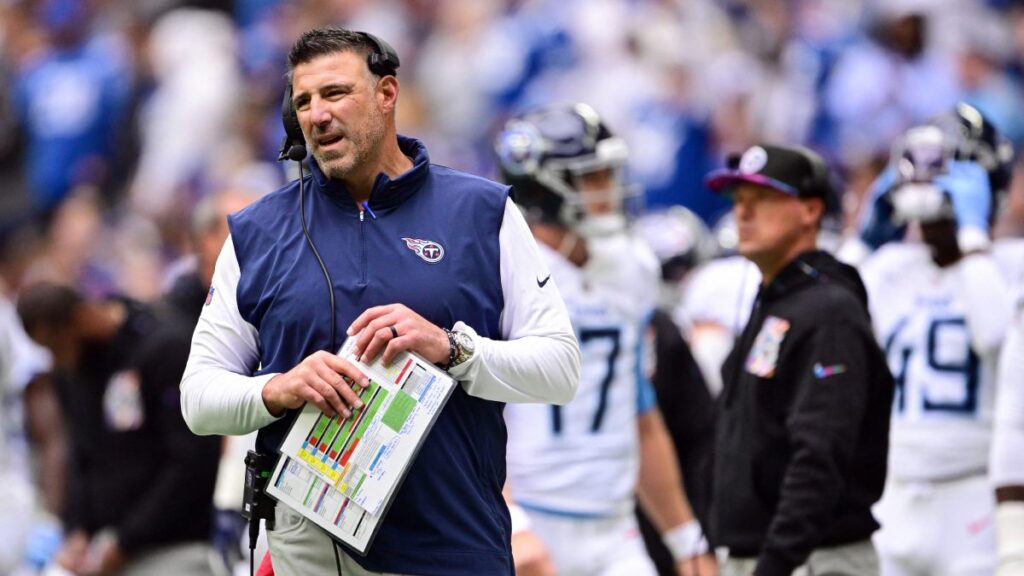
{"x": 453, "y": 349}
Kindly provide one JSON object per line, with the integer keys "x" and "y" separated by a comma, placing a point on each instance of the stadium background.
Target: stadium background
{"x": 116, "y": 116}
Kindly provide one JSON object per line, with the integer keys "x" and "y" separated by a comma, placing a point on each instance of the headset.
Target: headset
{"x": 383, "y": 61}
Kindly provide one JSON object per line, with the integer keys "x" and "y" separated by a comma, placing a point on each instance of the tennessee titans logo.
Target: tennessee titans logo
{"x": 519, "y": 148}
{"x": 427, "y": 249}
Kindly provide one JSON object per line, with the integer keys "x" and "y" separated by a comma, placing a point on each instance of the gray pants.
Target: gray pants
{"x": 857, "y": 559}
{"x": 192, "y": 559}
{"x": 298, "y": 547}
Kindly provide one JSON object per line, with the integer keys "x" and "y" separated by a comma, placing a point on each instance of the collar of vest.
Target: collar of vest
{"x": 386, "y": 193}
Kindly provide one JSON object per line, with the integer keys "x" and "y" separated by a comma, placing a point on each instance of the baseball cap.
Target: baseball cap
{"x": 790, "y": 169}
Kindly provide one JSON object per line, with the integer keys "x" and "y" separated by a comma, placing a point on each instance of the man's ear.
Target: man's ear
{"x": 813, "y": 211}
{"x": 387, "y": 93}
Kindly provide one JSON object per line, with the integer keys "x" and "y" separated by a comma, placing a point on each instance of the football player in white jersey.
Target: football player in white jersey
{"x": 941, "y": 307}
{"x": 1007, "y": 463}
{"x": 573, "y": 470}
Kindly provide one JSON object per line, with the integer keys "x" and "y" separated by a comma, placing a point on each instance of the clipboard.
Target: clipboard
{"x": 343, "y": 473}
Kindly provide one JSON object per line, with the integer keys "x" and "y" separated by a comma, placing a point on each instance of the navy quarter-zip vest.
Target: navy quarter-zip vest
{"x": 449, "y": 516}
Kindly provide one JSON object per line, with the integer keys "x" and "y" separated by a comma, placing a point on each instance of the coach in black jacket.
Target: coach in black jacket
{"x": 803, "y": 421}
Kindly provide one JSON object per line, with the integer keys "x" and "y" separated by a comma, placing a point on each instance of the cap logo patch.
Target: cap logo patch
{"x": 428, "y": 250}
{"x": 753, "y": 160}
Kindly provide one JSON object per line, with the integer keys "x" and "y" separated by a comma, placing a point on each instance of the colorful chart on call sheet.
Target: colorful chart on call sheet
{"x": 351, "y": 466}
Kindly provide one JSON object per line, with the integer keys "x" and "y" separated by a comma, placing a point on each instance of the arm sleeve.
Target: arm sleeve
{"x": 219, "y": 395}
{"x": 539, "y": 360}
{"x": 1008, "y": 430}
{"x": 988, "y": 301}
{"x": 646, "y": 397}
{"x": 183, "y": 486}
{"x": 824, "y": 426}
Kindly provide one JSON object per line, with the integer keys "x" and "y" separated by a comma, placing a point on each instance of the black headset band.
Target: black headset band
{"x": 384, "y": 60}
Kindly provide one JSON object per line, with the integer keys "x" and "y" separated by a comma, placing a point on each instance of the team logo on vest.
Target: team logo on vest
{"x": 427, "y": 249}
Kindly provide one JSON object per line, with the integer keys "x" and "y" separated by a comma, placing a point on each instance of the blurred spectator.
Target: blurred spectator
{"x": 71, "y": 98}
{"x": 984, "y": 49}
{"x": 140, "y": 483}
{"x": 895, "y": 77}
{"x": 193, "y": 59}
{"x": 78, "y": 249}
{"x": 31, "y": 435}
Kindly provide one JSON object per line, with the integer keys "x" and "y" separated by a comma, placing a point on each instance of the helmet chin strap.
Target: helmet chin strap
{"x": 601, "y": 226}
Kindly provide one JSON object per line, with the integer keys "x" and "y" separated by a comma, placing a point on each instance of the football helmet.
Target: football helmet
{"x": 920, "y": 156}
{"x": 973, "y": 137}
{"x": 566, "y": 168}
{"x": 679, "y": 238}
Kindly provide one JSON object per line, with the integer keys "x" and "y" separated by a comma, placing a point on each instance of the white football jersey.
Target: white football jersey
{"x": 1007, "y": 465}
{"x": 21, "y": 360}
{"x": 941, "y": 330}
{"x": 720, "y": 291}
{"x": 582, "y": 459}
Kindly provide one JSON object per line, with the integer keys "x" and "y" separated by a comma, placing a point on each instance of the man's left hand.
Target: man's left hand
{"x": 395, "y": 328}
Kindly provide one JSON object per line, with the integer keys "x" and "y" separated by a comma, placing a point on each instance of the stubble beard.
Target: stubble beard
{"x": 362, "y": 144}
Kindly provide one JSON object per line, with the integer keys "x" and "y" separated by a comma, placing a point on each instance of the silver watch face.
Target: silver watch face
{"x": 466, "y": 346}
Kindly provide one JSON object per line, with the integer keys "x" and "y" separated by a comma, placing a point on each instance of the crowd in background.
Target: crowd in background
{"x": 117, "y": 117}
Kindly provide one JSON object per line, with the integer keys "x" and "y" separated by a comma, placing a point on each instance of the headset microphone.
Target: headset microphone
{"x": 296, "y": 152}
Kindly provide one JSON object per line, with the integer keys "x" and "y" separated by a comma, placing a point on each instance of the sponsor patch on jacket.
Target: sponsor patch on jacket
{"x": 122, "y": 402}
{"x": 428, "y": 250}
{"x": 764, "y": 354}
{"x": 821, "y": 372}
{"x": 209, "y": 297}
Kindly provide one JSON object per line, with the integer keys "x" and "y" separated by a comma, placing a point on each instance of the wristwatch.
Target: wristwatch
{"x": 461, "y": 347}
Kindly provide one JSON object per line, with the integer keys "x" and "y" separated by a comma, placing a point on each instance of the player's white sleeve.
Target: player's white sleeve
{"x": 219, "y": 395}
{"x": 1007, "y": 463}
{"x": 539, "y": 360}
{"x": 988, "y": 301}
{"x": 20, "y": 357}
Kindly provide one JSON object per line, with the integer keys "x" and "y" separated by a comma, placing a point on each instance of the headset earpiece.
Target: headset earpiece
{"x": 294, "y": 145}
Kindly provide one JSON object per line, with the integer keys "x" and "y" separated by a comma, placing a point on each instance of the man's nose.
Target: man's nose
{"x": 320, "y": 113}
{"x": 741, "y": 208}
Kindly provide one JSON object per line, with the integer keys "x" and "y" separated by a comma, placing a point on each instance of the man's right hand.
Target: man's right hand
{"x": 323, "y": 379}
{"x": 530, "y": 556}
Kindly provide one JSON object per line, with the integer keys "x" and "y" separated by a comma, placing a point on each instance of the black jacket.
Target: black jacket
{"x": 803, "y": 421}
{"x": 134, "y": 465}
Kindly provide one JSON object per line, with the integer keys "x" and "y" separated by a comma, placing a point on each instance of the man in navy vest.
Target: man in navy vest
{"x": 420, "y": 257}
